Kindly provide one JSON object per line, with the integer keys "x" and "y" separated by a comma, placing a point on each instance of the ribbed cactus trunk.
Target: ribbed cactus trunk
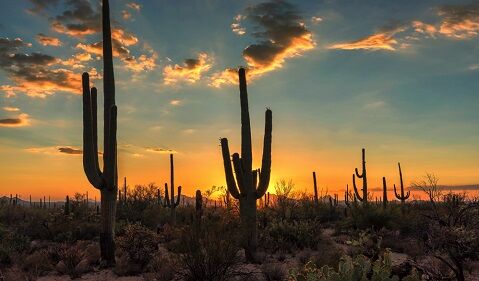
{"x": 250, "y": 184}
{"x": 315, "y": 186}
{"x": 402, "y": 197}
{"x": 364, "y": 198}
{"x": 106, "y": 180}
{"x": 385, "y": 194}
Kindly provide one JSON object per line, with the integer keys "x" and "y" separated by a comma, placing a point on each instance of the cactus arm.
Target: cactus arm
{"x": 407, "y": 195}
{"x": 167, "y": 197}
{"x": 265, "y": 174}
{"x": 255, "y": 178}
{"x": 179, "y": 196}
{"x": 356, "y": 189}
{"x": 239, "y": 173}
{"x": 230, "y": 180}
{"x": 91, "y": 169}
{"x": 357, "y": 173}
{"x": 94, "y": 109}
{"x": 396, "y": 193}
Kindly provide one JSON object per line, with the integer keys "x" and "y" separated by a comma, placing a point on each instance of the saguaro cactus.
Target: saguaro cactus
{"x": 247, "y": 188}
{"x": 198, "y": 204}
{"x": 385, "y": 194}
{"x": 315, "y": 186}
{"x": 107, "y": 180}
{"x": 403, "y": 197}
{"x": 363, "y": 176}
{"x": 170, "y": 203}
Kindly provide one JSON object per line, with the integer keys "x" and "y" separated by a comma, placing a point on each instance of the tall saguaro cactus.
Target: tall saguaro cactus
{"x": 170, "y": 203}
{"x": 247, "y": 188}
{"x": 363, "y": 176}
{"x": 403, "y": 197}
{"x": 385, "y": 194}
{"x": 107, "y": 180}
{"x": 315, "y": 186}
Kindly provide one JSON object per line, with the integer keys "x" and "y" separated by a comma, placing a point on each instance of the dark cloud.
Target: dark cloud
{"x": 20, "y": 121}
{"x": 35, "y": 74}
{"x": 280, "y": 32}
{"x": 459, "y": 21}
{"x": 79, "y": 19}
{"x": 40, "y": 5}
{"x": 10, "y": 121}
{"x": 48, "y": 40}
{"x": 69, "y": 150}
{"x": 280, "y": 27}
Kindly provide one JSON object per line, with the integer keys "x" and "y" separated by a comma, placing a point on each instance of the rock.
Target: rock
{"x": 83, "y": 266}
{"x": 61, "y": 267}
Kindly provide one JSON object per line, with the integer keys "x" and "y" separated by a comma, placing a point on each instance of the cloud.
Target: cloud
{"x": 80, "y": 19}
{"x": 35, "y": 74}
{"x": 160, "y": 150}
{"x": 459, "y": 21}
{"x": 281, "y": 34}
{"x": 175, "y": 102}
{"x": 316, "y": 20}
{"x": 382, "y": 41}
{"x": 56, "y": 150}
{"x": 134, "y": 6}
{"x": 21, "y": 121}
{"x": 190, "y": 71}
{"x": 48, "y": 41}
{"x": 375, "y": 105}
{"x": 236, "y": 25}
{"x": 126, "y": 15}
{"x": 11, "y": 109}
{"x": 40, "y": 5}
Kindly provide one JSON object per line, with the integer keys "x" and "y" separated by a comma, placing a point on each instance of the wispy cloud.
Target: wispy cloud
{"x": 11, "y": 109}
{"x": 161, "y": 150}
{"x": 190, "y": 71}
{"x": 48, "y": 40}
{"x": 381, "y": 41}
{"x": 56, "y": 150}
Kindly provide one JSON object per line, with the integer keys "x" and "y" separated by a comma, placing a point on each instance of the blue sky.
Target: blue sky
{"x": 396, "y": 77}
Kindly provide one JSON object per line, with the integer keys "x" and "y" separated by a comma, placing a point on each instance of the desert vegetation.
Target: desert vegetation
{"x": 237, "y": 232}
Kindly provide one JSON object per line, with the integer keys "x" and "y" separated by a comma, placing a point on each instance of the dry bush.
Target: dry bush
{"x": 136, "y": 248}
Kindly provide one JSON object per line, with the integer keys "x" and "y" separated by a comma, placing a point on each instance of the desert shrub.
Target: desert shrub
{"x": 354, "y": 269}
{"x": 273, "y": 272}
{"x": 72, "y": 260}
{"x": 288, "y": 236}
{"x": 38, "y": 263}
{"x": 209, "y": 254}
{"x": 327, "y": 254}
{"x": 11, "y": 245}
{"x": 370, "y": 216}
{"x": 367, "y": 243}
{"x": 139, "y": 243}
{"x": 162, "y": 268}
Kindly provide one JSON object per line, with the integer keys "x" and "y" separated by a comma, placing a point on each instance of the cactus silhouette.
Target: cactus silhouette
{"x": 385, "y": 194}
{"x": 67, "y": 206}
{"x": 315, "y": 186}
{"x": 107, "y": 180}
{"x": 198, "y": 205}
{"x": 403, "y": 197}
{"x": 346, "y": 196}
{"x": 364, "y": 198}
{"x": 247, "y": 188}
{"x": 170, "y": 202}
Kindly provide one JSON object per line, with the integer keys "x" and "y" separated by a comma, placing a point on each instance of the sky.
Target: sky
{"x": 398, "y": 78}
